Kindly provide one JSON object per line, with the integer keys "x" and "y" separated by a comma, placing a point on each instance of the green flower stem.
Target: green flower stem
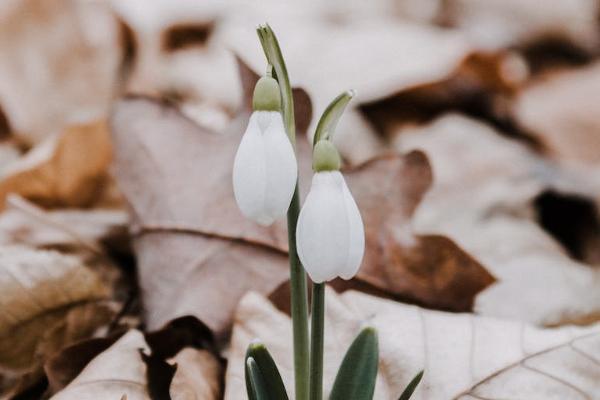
{"x": 317, "y": 329}
{"x": 299, "y": 296}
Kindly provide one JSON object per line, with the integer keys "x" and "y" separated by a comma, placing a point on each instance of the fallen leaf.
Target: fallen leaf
{"x": 116, "y": 372}
{"x": 561, "y": 113}
{"x": 501, "y": 23}
{"x": 192, "y": 364}
{"x": 141, "y": 365}
{"x": 427, "y": 269}
{"x": 486, "y": 197}
{"x": 66, "y": 170}
{"x": 186, "y": 221}
{"x": 49, "y": 301}
{"x": 58, "y": 64}
{"x": 24, "y": 223}
{"x": 464, "y": 356}
{"x": 481, "y": 86}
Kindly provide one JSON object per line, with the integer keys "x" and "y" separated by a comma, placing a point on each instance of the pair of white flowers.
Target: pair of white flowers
{"x": 330, "y": 235}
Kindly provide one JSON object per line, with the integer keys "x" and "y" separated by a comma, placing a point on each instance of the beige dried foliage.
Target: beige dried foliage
{"x": 464, "y": 356}
{"x": 66, "y": 170}
{"x": 58, "y": 64}
{"x": 561, "y": 111}
{"x": 186, "y": 219}
{"x": 198, "y": 376}
{"x": 485, "y": 199}
{"x": 116, "y": 372}
{"x": 39, "y": 292}
{"x": 120, "y": 371}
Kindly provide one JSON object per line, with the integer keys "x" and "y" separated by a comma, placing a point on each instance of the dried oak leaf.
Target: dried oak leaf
{"x": 504, "y": 23}
{"x": 58, "y": 64}
{"x": 493, "y": 197}
{"x": 66, "y": 170}
{"x": 561, "y": 112}
{"x": 464, "y": 356}
{"x": 186, "y": 217}
{"x": 48, "y": 301}
{"x": 169, "y": 362}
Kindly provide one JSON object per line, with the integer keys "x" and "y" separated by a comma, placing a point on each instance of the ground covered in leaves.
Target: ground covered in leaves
{"x": 472, "y": 150}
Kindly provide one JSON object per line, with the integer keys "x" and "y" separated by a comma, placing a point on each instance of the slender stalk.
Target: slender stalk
{"x": 317, "y": 330}
{"x": 299, "y": 308}
{"x": 299, "y": 301}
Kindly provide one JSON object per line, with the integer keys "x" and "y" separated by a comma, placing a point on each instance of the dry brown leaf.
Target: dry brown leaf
{"x": 561, "y": 111}
{"x": 58, "y": 64}
{"x": 502, "y": 23}
{"x": 486, "y": 197}
{"x": 480, "y": 86}
{"x": 117, "y": 371}
{"x": 183, "y": 215}
{"x": 464, "y": 356}
{"x": 39, "y": 290}
{"x": 191, "y": 365}
{"x": 24, "y": 223}
{"x": 135, "y": 365}
{"x": 66, "y": 170}
{"x": 49, "y": 301}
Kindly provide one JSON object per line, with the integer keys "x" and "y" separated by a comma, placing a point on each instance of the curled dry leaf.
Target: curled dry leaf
{"x": 492, "y": 201}
{"x": 505, "y": 23}
{"x": 172, "y": 360}
{"x": 58, "y": 64}
{"x": 464, "y": 356}
{"x": 48, "y": 301}
{"x": 187, "y": 217}
{"x": 116, "y": 372}
{"x": 481, "y": 85}
{"x": 383, "y": 46}
{"x": 22, "y": 222}
{"x": 561, "y": 112}
{"x": 66, "y": 170}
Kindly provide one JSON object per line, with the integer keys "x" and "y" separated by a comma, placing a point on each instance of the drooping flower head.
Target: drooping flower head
{"x": 265, "y": 170}
{"x": 330, "y": 234}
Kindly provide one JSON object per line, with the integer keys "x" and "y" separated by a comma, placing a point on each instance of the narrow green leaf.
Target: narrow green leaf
{"x": 410, "y": 388}
{"x": 331, "y": 116}
{"x": 356, "y": 377}
{"x": 255, "y": 384}
{"x": 273, "y": 383}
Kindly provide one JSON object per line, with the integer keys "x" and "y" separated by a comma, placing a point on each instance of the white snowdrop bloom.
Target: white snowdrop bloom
{"x": 265, "y": 169}
{"x": 330, "y": 234}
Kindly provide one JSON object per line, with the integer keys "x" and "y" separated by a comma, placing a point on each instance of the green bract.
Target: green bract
{"x": 326, "y": 157}
{"x": 267, "y": 96}
{"x": 331, "y": 116}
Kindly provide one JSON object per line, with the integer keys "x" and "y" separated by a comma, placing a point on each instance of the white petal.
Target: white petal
{"x": 264, "y": 170}
{"x": 330, "y": 233}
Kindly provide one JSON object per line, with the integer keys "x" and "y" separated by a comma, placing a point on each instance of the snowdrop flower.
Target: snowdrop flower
{"x": 265, "y": 169}
{"x": 330, "y": 234}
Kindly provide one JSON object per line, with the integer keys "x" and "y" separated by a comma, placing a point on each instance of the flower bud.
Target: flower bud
{"x": 330, "y": 235}
{"x": 265, "y": 169}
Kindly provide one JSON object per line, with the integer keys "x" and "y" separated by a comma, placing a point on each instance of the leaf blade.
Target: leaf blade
{"x": 356, "y": 377}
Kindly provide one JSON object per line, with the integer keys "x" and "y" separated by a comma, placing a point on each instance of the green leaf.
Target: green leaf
{"x": 356, "y": 377}
{"x": 267, "y": 368}
{"x": 410, "y": 388}
{"x": 255, "y": 384}
{"x": 331, "y": 116}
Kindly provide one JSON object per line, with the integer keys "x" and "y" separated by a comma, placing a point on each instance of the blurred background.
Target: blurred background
{"x": 501, "y": 96}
